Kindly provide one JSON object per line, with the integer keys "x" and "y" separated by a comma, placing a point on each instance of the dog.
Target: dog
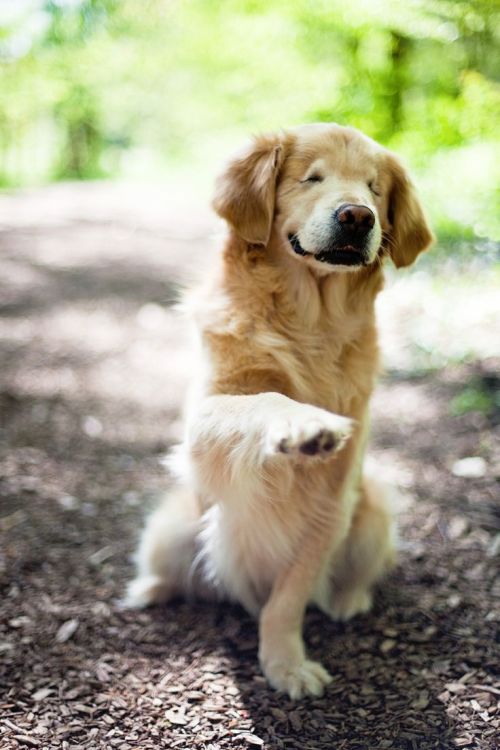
{"x": 273, "y": 508}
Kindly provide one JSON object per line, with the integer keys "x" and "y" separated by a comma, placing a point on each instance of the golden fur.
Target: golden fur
{"x": 273, "y": 508}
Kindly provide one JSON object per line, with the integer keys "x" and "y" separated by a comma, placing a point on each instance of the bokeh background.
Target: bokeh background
{"x": 141, "y": 88}
{"x": 115, "y": 116}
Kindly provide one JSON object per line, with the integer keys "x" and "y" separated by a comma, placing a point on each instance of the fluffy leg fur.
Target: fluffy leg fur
{"x": 166, "y": 551}
{"x": 366, "y": 554}
{"x": 281, "y": 649}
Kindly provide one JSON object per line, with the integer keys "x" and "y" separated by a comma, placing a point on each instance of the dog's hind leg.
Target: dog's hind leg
{"x": 166, "y": 551}
{"x": 365, "y": 555}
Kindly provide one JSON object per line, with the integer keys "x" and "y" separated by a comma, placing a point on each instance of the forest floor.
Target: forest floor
{"x": 93, "y": 366}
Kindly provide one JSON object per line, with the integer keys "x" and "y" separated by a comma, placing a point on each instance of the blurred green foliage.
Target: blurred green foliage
{"x": 94, "y": 88}
{"x": 476, "y": 397}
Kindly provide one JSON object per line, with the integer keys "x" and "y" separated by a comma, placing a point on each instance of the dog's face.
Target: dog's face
{"x": 332, "y": 198}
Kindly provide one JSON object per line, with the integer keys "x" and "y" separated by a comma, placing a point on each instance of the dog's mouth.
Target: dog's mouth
{"x": 342, "y": 256}
{"x": 296, "y": 246}
{"x": 346, "y": 255}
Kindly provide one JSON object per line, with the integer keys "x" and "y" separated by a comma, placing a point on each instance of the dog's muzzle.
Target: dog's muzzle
{"x": 349, "y": 240}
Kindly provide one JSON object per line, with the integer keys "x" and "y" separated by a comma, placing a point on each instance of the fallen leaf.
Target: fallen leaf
{"x": 41, "y": 694}
{"x": 387, "y": 645}
{"x": 455, "y": 687}
{"x": 463, "y": 741}
{"x": 457, "y": 527}
{"x": 26, "y": 739}
{"x": 252, "y": 739}
{"x": 175, "y": 717}
{"x": 67, "y": 630}
{"x": 103, "y": 554}
{"x": 421, "y": 702}
{"x": 471, "y": 467}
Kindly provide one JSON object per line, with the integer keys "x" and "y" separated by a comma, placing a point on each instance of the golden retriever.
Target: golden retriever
{"x": 272, "y": 508}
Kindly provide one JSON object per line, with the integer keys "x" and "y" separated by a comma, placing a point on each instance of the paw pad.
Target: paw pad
{"x": 324, "y": 442}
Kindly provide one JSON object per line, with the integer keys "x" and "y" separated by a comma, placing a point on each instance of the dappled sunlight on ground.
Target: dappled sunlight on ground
{"x": 94, "y": 364}
{"x": 429, "y": 318}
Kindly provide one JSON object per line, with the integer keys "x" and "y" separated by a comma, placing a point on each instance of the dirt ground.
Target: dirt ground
{"x": 93, "y": 366}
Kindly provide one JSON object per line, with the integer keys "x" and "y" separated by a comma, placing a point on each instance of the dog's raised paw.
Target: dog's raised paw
{"x": 312, "y": 437}
{"x": 298, "y": 680}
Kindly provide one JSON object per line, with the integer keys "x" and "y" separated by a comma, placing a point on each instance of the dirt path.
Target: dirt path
{"x": 93, "y": 364}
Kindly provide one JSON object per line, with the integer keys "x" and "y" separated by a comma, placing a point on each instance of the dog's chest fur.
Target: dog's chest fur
{"x": 312, "y": 341}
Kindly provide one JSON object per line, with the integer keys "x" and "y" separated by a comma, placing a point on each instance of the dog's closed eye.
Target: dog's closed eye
{"x": 312, "y": 178}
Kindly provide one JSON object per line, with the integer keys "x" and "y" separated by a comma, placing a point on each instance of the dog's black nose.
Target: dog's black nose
{"x": 358, "y": 220}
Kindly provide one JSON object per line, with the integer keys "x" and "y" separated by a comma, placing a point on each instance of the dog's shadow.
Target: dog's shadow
{"x": 380, "y": 697}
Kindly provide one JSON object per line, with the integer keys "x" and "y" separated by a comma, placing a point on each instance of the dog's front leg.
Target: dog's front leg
{"x": 230, "y": 439}
{"x": 281, "y": 646}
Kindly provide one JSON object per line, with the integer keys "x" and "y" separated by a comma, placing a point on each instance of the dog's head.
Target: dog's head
{"x": 329, "y": 195}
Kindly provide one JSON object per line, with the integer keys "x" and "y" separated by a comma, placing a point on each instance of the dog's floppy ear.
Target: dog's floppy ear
{"x": 245, "y": 191}
{"x": 410, "y": 233}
